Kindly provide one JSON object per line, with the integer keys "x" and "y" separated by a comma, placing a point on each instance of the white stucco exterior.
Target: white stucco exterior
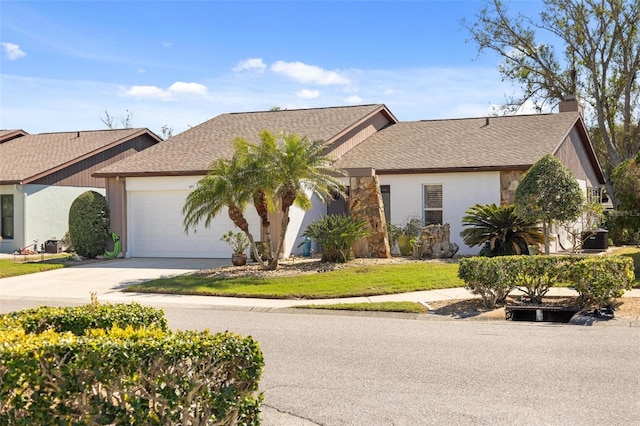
{"x": 41, "y": 212}
{"x": 459, "y": 192}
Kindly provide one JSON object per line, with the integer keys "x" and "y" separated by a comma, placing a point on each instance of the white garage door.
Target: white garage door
{"x": 156, "y": 228}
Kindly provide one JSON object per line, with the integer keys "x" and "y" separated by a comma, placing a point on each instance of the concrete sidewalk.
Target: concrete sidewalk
{"x": 107, "y": 279}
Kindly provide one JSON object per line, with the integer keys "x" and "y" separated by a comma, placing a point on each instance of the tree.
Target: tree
{"x": 126, "y": 121}
{"x": 276, "y": 172}
{"x": 222, "y": 187}
{"x": 599, "y": 62}
{"x": 89, "y": 224}
{"x": 499, "y": 230}
{"x": 626, "y": 185}
{"x": 549, "y": 192}
{"x": 297, "y": 168}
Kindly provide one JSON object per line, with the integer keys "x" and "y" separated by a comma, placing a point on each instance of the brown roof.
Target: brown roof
{"x": 194, "y": 151}
{"x": 7, "y": 135}
{"x": 31, "y": 157}
{"x": 516, "y": 141}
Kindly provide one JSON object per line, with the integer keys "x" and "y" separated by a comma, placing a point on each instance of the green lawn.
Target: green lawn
{"x": 408, "y": 307}
{"x": 348, "y": 282}
{"x": 12, "y": 268}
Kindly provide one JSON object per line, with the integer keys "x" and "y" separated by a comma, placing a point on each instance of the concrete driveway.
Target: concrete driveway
{"x": 105, "y": 278}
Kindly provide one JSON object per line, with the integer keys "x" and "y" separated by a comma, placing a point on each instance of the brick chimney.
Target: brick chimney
{"x": 571, "y": 104}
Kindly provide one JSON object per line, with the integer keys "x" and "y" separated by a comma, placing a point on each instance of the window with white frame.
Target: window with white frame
{"x": 432, "y": 200}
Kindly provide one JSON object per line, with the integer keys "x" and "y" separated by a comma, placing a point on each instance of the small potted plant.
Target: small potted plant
{"x": 239, "y": 243}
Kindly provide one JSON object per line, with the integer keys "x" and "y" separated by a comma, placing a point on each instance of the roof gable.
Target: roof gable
{"x": 7, "y": 135}
{"x": 32, "y": 157}
{"x": 194, "y": 151}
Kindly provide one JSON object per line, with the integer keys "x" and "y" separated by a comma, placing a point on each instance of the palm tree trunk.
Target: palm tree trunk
{"x": 287, "y": 202}
{"x": 262, "y": 208}
{"x": 237, "y": 217}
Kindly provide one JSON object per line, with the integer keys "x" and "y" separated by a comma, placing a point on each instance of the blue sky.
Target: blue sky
{"x": 179, "y": 63}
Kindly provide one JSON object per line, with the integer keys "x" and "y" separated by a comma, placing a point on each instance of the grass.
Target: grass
{"x": 12, "y": 268}
{"x": 348, "y": 282}
{"x": 407, "y": 307}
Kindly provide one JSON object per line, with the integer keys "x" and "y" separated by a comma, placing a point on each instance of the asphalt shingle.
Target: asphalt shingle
{"x": 195, "y": 150}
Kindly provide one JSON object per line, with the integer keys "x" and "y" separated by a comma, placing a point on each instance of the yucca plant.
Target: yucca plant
{"x": 336, "y": 234}
{"x": 500, "y": 230}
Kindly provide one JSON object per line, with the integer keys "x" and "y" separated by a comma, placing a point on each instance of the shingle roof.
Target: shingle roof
{"x": 494, "y": 142}
{"x": 194, "y": 151}
{"x": 32, "y": 155}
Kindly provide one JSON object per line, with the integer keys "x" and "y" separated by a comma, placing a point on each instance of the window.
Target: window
{"x": 432, "y": 204}
{"x": 6, "y": 216}
{"x": 386, "y": 201}
{"x": 339, "y": 205}
{"x": 593, "y": 195}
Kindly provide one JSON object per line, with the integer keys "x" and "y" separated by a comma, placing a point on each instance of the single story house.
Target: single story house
{"x": 41, "y": 175}
{"x": 435, "y": 169}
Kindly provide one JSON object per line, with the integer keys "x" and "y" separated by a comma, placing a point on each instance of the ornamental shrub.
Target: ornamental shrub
{"x": 79, "y": 319}
{"x": 336, "y": 234}
{"x": 535, "y": 275}
{"x": 489, "y": 277}
{"x": 600, "y": 279}
{"x": 117, "y": 375}
{"x": 89, "y": 224}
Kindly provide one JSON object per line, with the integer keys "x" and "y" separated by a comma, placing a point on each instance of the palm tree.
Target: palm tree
{"x": 298, "y": 168}
{"x": 222, "y": 187}
{"x": 500, "y": 229}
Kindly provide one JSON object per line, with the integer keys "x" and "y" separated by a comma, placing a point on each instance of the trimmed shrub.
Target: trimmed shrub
{"x": 336, "y": 234}
{"x": 89, "y": 224}
{"x": 78, "y": 320}
{"x": 68, "y": 372}
{"x": 600, "y": 279}
{"x": 129, "y": 377}
{"x": 535, "y": 275}
{"x": 489, "y": 277}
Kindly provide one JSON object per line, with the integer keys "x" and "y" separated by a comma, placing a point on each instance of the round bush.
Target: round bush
{"x": 89, "y": 224}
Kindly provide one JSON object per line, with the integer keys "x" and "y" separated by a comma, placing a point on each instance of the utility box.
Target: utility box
{"x": 595, "y": 240}
{"x": 53, "y": 246}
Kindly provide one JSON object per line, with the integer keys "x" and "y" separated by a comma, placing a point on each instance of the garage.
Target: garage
{"x": 155, "y": 226}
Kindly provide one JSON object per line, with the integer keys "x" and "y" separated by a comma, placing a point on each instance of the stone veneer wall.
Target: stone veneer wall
{"x": 365, "y": 202}
{"x": 509, "y": 181}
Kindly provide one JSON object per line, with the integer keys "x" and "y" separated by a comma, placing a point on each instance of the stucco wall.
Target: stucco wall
{"x": 47, "y": 211}
{"x": 459, "y": 192}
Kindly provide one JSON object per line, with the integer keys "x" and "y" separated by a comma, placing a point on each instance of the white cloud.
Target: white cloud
{"x": 353, "y": 99}
{"x": 188, "y": 88}
{"x": 141, "y": 70}
{"x": 252, "y": 64}
{"x": 147, "y": 92}
{"x": 167, "y": 44}
{"x": 308, "y": 94}
{"x": 12, "y": 51}
{"x": 155, "y": 92}
{"x": 309, "y": 73}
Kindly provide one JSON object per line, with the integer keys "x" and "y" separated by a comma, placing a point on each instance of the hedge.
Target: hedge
{"x": 596, "y": 279}
{"x": 144, "y": 375}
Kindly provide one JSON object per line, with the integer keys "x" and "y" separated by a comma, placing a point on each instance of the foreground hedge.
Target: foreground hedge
{"x": 127, "y": 376}
{"x": 81, "y": 318}
{"x": 596, "y": 279}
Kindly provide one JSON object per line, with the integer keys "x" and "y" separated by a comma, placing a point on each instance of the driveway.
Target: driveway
{"x": 105, "y": 278}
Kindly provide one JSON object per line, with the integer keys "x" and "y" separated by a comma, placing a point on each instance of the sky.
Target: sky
{"x": 63, "y": 64}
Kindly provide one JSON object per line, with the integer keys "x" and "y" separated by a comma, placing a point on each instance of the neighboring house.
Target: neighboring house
{"x": 41, "y": 175}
